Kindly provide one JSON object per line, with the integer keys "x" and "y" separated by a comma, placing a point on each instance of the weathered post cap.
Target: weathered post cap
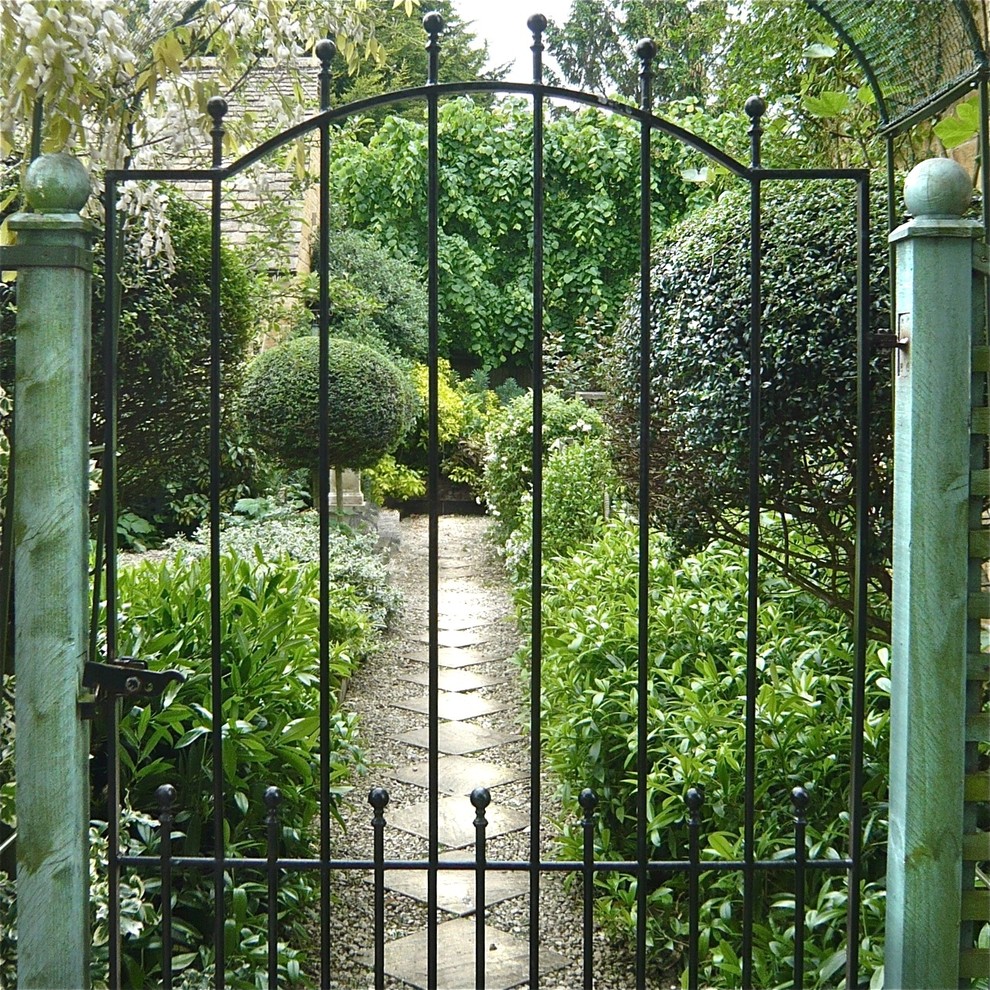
{"x": 57, "y": 184}
{"x": 939, "y": 188}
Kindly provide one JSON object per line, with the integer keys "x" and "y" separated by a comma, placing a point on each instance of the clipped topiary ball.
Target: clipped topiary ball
{"x": 367, "y": 406}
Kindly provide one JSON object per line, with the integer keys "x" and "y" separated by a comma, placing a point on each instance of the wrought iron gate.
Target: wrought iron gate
{"x": 269, "y": 869}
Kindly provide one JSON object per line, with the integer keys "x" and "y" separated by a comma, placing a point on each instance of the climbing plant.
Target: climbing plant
{"x": 591, "y": 237}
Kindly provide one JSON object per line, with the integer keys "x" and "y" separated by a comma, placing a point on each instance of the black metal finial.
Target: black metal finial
{"x": 378, "y": 799}
{"x": 325, "y": 52}
{"x": 433, "y": 25}
{"x": 216, "y": 107}
{"x": 800, "y": 799}
{"x": 272, "y": 798}
{"x": 481, "y": 797}
{"x": 646, "y": 49}
{"x": 588, "y": 800}
{"x": 755, "y": 107}
{"x": 165, "y": 795}
{"x": 694, "y": 799}
{"x": 537, "y": 23}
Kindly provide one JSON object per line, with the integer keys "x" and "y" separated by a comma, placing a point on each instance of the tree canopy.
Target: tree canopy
{"x": 111, "y": 77}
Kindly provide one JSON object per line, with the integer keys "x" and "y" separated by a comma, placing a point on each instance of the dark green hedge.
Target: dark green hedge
{"x": 700, "y": 378}
{"x": 368, "y": 403}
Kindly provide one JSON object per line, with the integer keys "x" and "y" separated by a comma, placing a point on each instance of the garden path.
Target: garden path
{"x": 482, "y": 735}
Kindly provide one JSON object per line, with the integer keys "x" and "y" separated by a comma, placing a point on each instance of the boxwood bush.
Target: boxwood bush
{"x": 697, "y": 649}
{"x": 699, "y": 350}
{"x": 369, "y": 405}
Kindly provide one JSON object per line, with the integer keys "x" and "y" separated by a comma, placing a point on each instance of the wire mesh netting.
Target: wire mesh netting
{"x": 917, "y": 54}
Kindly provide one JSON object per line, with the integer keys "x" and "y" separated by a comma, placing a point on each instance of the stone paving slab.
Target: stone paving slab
{"x": 458, "y": 738}
{"x": 459, "y": 622}
{"x": 455, "y": 637}
{"x": 453, "y": 706}
{"x": 453, "y": 679}
{"x": 459, "y": 774}
{"x": 455, "y": 821}
{"x": 448, "y": 656}
{"x": 456, "y": 888}
{"x": 506, "y": 958}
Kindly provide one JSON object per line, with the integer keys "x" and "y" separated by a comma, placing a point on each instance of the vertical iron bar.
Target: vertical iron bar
{"x": 480, "y": 798}
{"x": 378, "y": 799}
{"x": 325, "y": 51}
{"x": 860, "y": 575}
{"x": 646, "y": 49}
{"x": 537, "y": 25}
{"x": 433, "y": 24}
{"x": 799, "y": 802}
{"x": 892, "y": 217}
{"x": 166, "y": 816}
{"x": 273, "y": 798}
{"x": 694, "y": 800}
{"x": 217, "y": 107}
{"x": 588, "y": 801}
{"x": 112, "y": 300}
{"x": 985, "y": 175}
{"x": 755, "y": 108}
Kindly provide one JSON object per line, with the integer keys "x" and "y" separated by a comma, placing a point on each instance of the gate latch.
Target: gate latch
{"x": 126, "y": 677}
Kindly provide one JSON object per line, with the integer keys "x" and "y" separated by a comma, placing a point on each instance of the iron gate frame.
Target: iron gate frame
{"x": 325, "y": 865}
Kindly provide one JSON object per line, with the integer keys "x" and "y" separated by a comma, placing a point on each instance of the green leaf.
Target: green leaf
{"x": 953, "y": 131}
{"x": 828, "y": 104}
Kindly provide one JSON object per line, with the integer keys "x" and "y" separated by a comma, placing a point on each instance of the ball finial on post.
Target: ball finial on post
{"x": 56, "y": 184}
{"x": 939, "y": 188}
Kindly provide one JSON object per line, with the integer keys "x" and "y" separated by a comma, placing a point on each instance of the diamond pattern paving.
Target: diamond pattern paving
{"x": 456, "y": 707}
{"x": 456, "y": 889}
{"x": 506, "y": 958}
{"x": 458, "y": 738}
{"x": 455, "y": 820}
{"x": 451, "y": 679}
{"x": 459, "y": 774}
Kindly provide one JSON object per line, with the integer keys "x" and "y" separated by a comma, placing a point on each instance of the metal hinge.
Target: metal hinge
{"x": 888, "y": 341}
{"x": 126, "y": 677}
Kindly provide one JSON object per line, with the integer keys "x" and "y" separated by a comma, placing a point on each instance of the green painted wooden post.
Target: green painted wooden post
{"x": 51, "y": 452}
{"x": 931, "y": 522}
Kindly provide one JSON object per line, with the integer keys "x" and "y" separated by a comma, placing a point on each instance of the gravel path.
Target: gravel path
{"x": 473, "y": 590}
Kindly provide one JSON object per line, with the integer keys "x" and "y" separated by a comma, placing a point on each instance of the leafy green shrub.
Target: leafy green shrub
{"x": 389, "y": 479}
{"x": 509, "y": 458}
{"x": 163, "y": 362}
{"x": 375, "y": 297}
{"x": 368, "y": 405}
{"x": 697, "y": 649}
{"x": 269, "y": 642}
{"x": 579, "y": 482}
{"x": 700, "y": 382}
{"x": 464, "y": 409}
{"x": 591, "y": 168}
{"x": 352, "y": 558}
